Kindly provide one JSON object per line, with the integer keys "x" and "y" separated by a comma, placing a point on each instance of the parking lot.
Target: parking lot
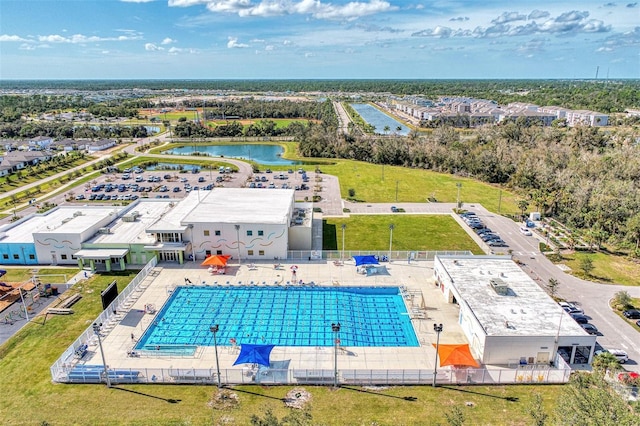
{"x": 132, "y": 184}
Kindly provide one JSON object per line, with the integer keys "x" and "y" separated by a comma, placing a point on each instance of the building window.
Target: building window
{"x": 217, "y": 233}
{"x": 206, "y": 232}
{"x": 5, "y": 256}
{"x": 16, "y": 257}
{"x": 63, "y": 257}
{"x": 261, "y": 252}
{"x": 260, "y": 233}
{"x": 250, "y": 252}
{"x": 218, "y": 251}
{"x": 249, "y": 233}
{"x": 32, "y": 257}
{"x": 207, "y": 253}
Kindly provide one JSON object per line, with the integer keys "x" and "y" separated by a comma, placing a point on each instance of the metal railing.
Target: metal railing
{"x": 360, "y": 377}
{"x": 107, "y": 318}
{"x": 394, "y": 255}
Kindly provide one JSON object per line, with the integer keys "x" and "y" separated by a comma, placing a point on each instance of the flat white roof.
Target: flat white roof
{"x": 64, "y": 219}
{"x": 134, "y": 232}
{"x": 242, "y": 205}
{"x": 526, "y": 311}
{"x": 172, "y": 220}
{"x": 101, "y": 253}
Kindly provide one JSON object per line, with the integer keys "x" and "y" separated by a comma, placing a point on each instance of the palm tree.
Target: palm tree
{"x": 386, "y": 130}
{"x": 523, "y": 205}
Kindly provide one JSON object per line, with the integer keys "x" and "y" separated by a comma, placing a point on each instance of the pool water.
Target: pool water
{"x": 283, "y": 316}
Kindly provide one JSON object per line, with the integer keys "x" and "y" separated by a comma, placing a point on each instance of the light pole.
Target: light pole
{"x": 458, "y": 185}
{"x": 96, "y": 329}
{"x": 343, "y": 226}
{"x": 336, "y": 329}
{"x": 238, "y": 242}
{"x": 438, "y": 329}
{"x": 390, "y": 239}
{"x": 214, "y": 329}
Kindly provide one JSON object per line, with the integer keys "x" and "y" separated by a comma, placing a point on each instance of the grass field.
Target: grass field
{"x": 608, "y": 268}
{"x": 30, "y": 398}
{"x": 411, "y": 232}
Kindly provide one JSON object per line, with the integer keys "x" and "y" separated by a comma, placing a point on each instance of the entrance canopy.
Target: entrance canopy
{"x": 457, "y": 355}
{"x": 365, "y": 260}
{"x": 254, "y": 354}
{"x": 98, "y": 254}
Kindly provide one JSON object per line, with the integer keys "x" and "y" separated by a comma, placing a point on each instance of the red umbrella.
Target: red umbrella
{"x": 217, "y": 260}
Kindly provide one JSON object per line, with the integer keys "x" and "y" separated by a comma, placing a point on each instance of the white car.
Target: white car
{"x": 525, "y": 231}
{"x": 620, "y": 355}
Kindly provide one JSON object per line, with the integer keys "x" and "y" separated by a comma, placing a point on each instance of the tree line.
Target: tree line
{"x": 60, "y": 130}
{"x": 585, "y": 176}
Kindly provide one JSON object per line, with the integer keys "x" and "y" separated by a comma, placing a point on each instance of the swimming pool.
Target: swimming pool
{"x": 283, "y": 316}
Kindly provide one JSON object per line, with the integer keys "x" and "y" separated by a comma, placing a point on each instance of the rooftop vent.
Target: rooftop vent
{"x": 104, "y": 231}
{"x": 499, "y": 286}
{"x": 78, "y": 213}
{"x": 131, "y": 217}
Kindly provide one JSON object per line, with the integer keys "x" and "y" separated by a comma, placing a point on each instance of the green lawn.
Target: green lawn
{"x": 415, "y": 185}
{"x": 30, "y": 398}
{"x": 411, "y": 232}
{"x": 608, "y": 268}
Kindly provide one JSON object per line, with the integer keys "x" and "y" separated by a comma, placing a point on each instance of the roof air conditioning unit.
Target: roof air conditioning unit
{"x": 104, "y": 231}
{"x": 499, "y": 286}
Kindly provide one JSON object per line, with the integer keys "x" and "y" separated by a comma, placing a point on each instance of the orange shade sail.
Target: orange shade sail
{"x": 216, "y": 260}
{"x": 456, "y": 355}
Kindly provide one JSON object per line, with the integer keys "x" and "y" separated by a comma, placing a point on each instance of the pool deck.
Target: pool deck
{"x": 416, "y": 278}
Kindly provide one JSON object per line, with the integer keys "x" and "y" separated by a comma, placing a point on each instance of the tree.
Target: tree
{"x": 523, "y": 205}
{"x": 536, "y": 410}
{"x": 553, "y": 286}
{"x": 586, "y": 265}
{"x": 622, "y": 299}
{"x": 455, "y": 416}
{"x": 589, "y": 400}
{"x": 606, "y": 361}
{"x": 352, "y": 192}
{"x": 386, "y": 130}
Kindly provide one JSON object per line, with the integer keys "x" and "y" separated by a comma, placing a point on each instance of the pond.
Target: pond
{"x": 263, "y": 154}
{"x": 379, "y": 119}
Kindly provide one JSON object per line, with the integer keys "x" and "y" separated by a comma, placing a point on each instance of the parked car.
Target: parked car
{"x": 620, "y": 355}
{"x": 80, "y": 197}
{"x": 201, "y": 179}
{"x": 632, "y": 313}
{"x": 589, "y": 328}
{"x": 497, "y": 243}
{"x": 525, "y": 231}
{"x": 571, "y": 308}
{"x": 580, "y": 318}
{"x": 394, "y": 209}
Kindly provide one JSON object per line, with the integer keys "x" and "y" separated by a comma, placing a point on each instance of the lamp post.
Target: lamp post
{"x": 390, "y": 239}
{"x": 343, "y": 226}
{"x": 214, "y": 329}
{"x": 438, "y": 329}
{"x": 96, "y": 329}
{"x": 335, "y": 327}
{"x": 238, "y": 242}
{"x": 458, "y": 185}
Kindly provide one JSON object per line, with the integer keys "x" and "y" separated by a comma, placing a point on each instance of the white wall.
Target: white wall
{"x": 273, "y": 241}
{"x": 48, "y": 244}
{"x": 509, "y": 349}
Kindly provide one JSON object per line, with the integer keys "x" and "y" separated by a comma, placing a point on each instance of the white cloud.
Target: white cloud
{"x": 568, "y": 23}
{"x": 309, "y": 55}
{"x": 27, "y": 46}
{"x": 7, "y": 37}
{"x": 168, "y": 41}
{"x": 269, "y": 48}
{"x": 315, "y": 8}
{"x": 150, "y": 47}
{"x": 233, "y": 43}
{"x": 538, "y": 14}
{"x": 80, "y": 38}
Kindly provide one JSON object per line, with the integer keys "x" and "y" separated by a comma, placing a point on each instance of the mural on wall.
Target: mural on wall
{"x": 57, "y": 244}
{"x": 260, "y": 241}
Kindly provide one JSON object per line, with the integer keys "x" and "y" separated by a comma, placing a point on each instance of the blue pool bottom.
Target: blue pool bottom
{"x": 283, "y": 316}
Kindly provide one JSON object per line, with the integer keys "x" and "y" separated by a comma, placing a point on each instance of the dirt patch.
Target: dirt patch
{"x": 297, "y": 398}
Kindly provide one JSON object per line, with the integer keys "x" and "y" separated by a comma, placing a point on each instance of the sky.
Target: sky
{"x": 318, "y": 39}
